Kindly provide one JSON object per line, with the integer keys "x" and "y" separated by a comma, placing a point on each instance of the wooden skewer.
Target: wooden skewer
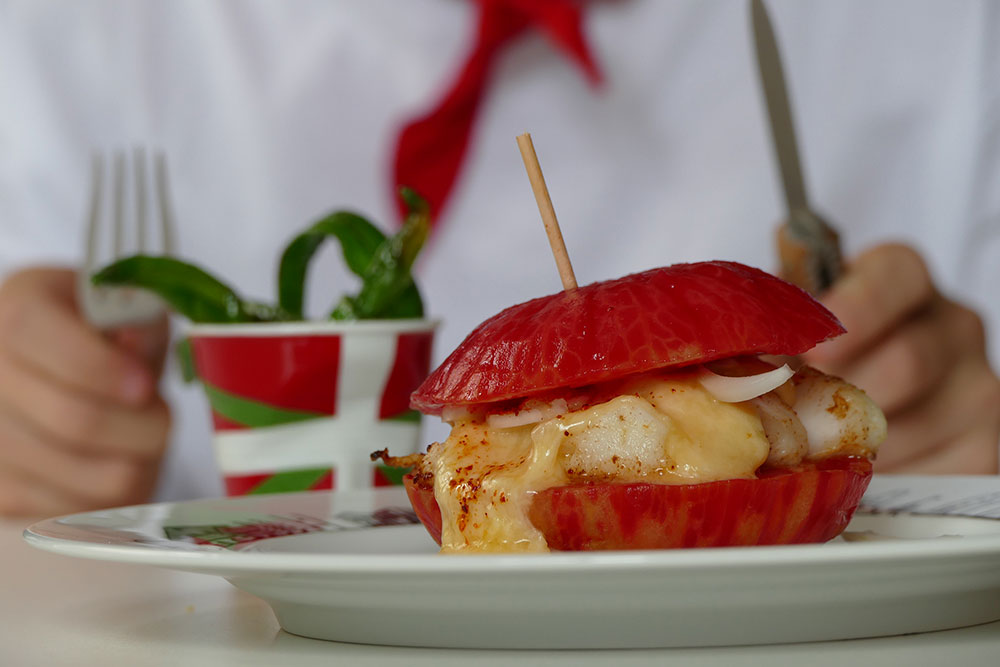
{"x": 548, "y": 212}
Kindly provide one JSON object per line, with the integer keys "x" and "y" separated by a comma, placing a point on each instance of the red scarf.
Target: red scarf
{"x": 431, "y": 148}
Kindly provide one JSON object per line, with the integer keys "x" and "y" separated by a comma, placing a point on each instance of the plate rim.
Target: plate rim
{"x": 213, "y": 559}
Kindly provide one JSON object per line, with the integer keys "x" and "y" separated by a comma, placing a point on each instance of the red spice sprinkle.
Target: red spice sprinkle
{"x": 566, "y": 432}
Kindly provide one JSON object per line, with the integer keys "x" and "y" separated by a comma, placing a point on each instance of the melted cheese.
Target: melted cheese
{"x": 725, "y": 440}
{"x": 483, "y": 481}
{"x": 668, "y": 431}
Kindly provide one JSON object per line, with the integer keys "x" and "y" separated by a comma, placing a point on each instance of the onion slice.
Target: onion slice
{"x": 531, "y": 413}
{"x": 514, "y": 419}
{"x": 730, "y": 389}
{"x": 454, "y": 413}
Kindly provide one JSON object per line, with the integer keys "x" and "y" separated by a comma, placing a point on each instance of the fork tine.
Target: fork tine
{"x": 112, "y": 307}
{"x": 96, "y": 184}
{"x": 139, "y": 176}
{"x": 119, "y": 203}
{"x": 167, "y": 234}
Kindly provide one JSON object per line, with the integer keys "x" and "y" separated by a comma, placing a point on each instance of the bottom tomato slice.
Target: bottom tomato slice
{"x": 811, "y": 502}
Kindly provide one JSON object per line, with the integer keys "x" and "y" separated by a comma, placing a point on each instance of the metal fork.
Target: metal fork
{"x": 111, "y": 307}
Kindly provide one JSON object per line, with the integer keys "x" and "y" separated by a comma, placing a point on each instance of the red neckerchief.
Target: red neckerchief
{"x": 431, "y": 148}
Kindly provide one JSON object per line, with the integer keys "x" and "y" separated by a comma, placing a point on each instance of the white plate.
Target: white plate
{"x": 359, "y": 571}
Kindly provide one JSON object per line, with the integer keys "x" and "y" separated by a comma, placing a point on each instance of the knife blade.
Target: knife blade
{"x": 808, "y": 247}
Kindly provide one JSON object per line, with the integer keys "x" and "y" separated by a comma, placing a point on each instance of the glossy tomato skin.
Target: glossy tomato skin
{"x": 663, "y": 318}
{"x": 424, "y": 505}
{"x": 811, "y": 502}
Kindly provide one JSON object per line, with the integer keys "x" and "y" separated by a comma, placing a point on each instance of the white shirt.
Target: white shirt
{"x": 273, "y": 113}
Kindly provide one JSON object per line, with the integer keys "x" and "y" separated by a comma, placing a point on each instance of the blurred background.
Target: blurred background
{"x": 274, "y": 113}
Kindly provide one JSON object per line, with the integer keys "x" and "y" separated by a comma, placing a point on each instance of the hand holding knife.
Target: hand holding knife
{"x": 945, "y": 417}
{"x": 808, "y": 247}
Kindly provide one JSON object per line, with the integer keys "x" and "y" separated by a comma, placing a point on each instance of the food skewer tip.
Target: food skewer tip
{"x": 547, "y": 211}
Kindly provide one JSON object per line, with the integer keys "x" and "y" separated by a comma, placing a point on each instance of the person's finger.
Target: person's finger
{"x": 974, "y": 453}
{"x": 84, "y": 423}
{"x": 92, "y": 479}
{"x": 911, "y": 362}
{"x": 881, "y": 288}
{"x": 968, "y": 400}
{"x": 41, "y": 329}
{"x": 148, "y": 341}
{"x": 22, "y": 495}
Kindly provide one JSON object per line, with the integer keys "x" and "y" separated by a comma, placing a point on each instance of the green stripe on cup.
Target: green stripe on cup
{"x": 293, "y": 480}
{"x": 393, "y": 475}
{"x": 409, "y": 416}
{"x": 185, "y": 359}
{"x": 251, "y": 413}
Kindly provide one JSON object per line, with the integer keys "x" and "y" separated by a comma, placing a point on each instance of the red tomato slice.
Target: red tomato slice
{"x": 668, "y": 317}
{"x": 811, "y": 502}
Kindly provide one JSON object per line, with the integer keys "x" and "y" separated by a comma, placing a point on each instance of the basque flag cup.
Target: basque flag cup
{"x": 301, "y": 405}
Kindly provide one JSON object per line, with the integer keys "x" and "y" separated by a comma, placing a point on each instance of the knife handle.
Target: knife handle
{"x": 809, "y": 252}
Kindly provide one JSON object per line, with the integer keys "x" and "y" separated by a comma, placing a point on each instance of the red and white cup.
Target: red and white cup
{"x": 298, "y": 406}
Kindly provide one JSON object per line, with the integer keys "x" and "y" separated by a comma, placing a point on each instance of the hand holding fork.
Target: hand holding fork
{"x": 81, "y": 422}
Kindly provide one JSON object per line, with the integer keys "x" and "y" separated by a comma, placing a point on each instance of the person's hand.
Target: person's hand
{"x": 921, "y": 358}
{"x": 81, "y": 423}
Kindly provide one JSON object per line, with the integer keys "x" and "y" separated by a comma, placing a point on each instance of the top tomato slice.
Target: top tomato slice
{"x": 668, "y": 317}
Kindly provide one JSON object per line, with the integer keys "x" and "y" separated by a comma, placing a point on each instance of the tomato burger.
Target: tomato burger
{"x": 637, "y": 413}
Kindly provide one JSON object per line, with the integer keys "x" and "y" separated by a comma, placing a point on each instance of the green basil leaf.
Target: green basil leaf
{"x": 358, "y": 238}
{"x": 188, "y": 289}
{"x": 408, "y": 304}
{"x": 387, "y": 278}
{"x": 344, "y": 310}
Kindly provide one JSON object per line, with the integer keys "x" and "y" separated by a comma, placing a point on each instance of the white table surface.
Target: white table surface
{"x": 56, "y": 610}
